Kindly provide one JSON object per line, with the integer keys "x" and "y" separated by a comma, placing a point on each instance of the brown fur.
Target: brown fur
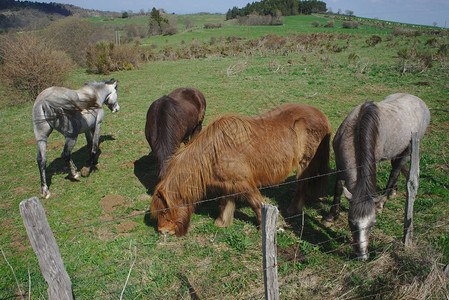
{"x": 236, "y": 154}
{"x": 171, "y": 120}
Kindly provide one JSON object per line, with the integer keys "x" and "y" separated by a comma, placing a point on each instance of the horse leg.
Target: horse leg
{"x": 67, "y": 155}
{"x": 397, "y": 165}
{"x": 42, "y": 131}
{"x": 85, "y": 171}
{"x": 227, "y": 209}
{"x": 88, "y": 135}
{"x": 41, "y": 163}
{"x": 335, "y": 209}
{"x": 298, "y": 201}
{"x": 255, "y": 200}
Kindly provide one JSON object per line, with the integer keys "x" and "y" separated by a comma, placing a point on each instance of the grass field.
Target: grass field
{"x": 100, "y": 221}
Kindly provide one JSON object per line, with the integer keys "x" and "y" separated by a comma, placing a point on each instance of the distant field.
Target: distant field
{"x": 92, "y": 219}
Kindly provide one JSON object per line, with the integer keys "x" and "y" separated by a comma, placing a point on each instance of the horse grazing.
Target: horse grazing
{"x": 171, "y": 120}
{"x": 72, "y": 112}
{"x": 235, "y": 155}
{"x": 373, "y": 132}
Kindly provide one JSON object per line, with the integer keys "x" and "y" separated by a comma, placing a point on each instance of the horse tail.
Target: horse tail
{"x": 365, "y": 140}
{"x": 317, "y": 170}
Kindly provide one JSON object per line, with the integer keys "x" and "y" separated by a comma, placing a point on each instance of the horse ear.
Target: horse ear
{"x": 347, "y": 193}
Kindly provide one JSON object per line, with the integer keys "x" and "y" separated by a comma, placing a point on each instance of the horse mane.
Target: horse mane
{"x": 365, "y": 139}
{"x": 190, "y": 169}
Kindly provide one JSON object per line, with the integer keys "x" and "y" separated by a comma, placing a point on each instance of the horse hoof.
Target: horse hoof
{"x": 76, "y": 177}
{"x": 85, "y": 171}
{"x": 220, "y": 223}
{"x": 45, "y": 195}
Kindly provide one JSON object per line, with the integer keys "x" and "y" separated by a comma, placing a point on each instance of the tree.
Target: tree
{"x": 156, "y": 21}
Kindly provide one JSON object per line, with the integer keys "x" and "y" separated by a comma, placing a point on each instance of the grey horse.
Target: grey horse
{"x": 373, "y": 132}
{"x": 72, "y": 112}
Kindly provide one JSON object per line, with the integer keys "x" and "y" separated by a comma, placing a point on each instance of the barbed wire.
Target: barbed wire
{"x": 121, "y": 218}
{"x": 203, "y": 201}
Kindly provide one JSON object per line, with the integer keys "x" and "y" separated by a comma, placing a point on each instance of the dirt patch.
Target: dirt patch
{"x": 128, "y": 165}
{"x": 126, "y": 226}
{"x": 57, "y": 145}
{"x": 31, "y": 141}
{"x": 111, "y": 202}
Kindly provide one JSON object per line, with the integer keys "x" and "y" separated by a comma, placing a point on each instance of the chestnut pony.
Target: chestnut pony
{"x": 173, "y": 119}
{"x": 236, "y": 155}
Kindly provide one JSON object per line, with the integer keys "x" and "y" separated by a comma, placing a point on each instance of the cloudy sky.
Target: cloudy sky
{"x": 424, "y": 12}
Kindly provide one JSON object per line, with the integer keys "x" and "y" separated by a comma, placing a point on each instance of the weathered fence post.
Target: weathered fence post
{"x": 412, "y": 189}
{"x": 46, "y": 249}
{"x": 270, "y": 273}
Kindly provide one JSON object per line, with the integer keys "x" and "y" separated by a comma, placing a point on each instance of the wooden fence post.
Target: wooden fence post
{"x": 46, "y": 249}
{"x": 270, "y": 274}
{"x": 412, "y": 189}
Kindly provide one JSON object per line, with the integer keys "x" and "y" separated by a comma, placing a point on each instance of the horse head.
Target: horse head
{"x": 171, "y": 220}
{"x": 361, "y": 219}
{"x": 111, "y": 99}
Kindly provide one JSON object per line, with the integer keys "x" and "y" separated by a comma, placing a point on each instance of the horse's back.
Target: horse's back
{"x": 289, "y": 115}
{"x": 190, "y": 97}
{"x": 401, "y": 114}
{"x": 407, "y": 111}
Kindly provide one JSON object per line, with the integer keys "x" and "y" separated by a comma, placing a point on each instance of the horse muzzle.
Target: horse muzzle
{"x": 115, "y": 109}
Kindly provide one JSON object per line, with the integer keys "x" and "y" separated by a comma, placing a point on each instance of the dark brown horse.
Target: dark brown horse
{"x": 237, "y": 154}
{"x": 173, "y": 119}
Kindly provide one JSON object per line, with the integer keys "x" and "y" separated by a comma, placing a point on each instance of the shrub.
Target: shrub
{"x": 349, "y": 25}
{"x": 104, "y": 58}
{"x": 29, "y": 65}
{"x": 329, "y": 24}
{"x": 73, "y": 35}
{"x": 258, "y": 20}
{"x": 373, "y": 40}
{"x": 316, "y": 24}
{"x": 212, "y": 25}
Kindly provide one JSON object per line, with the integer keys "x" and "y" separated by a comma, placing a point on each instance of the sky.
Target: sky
{"x": 422, "y": 12}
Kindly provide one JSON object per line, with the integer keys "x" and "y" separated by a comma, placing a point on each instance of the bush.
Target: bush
{"x": 29, "y": 65}
{"x": 212, "y": 25}
{"x": 316, "y": 24}
{"x": 258, "y": 20}
{"x": 329, "y": 24}
{"x": 373, "y": 40}
{"x": 350, "y": 25}
{"x": 104, "y": 58}
{"x": 73, "y": 35}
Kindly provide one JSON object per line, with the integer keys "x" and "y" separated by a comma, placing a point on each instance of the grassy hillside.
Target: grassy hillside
{"x": 100, "y": 223}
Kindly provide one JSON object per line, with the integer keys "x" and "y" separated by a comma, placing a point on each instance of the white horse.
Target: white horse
{"x": 373, "y": 132}
{"x": 72, "y": 112}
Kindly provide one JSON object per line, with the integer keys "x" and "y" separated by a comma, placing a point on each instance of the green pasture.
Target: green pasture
{"x": 100, "y": 223}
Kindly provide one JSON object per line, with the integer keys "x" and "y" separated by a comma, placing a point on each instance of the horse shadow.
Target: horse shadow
{"x": 312, "y": 231}
{"x": 145, "y": 169}
{"x": 59, "y": 165}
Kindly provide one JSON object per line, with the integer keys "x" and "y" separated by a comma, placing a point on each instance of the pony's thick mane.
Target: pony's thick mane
{"x": 365, "y": 139}
{"x": 199, "y": 156}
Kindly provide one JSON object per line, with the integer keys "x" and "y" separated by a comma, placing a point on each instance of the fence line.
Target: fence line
{"x": 95, "y": 223}
{"x": 213, "y": 199}
{"x": 279, "y": 264}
